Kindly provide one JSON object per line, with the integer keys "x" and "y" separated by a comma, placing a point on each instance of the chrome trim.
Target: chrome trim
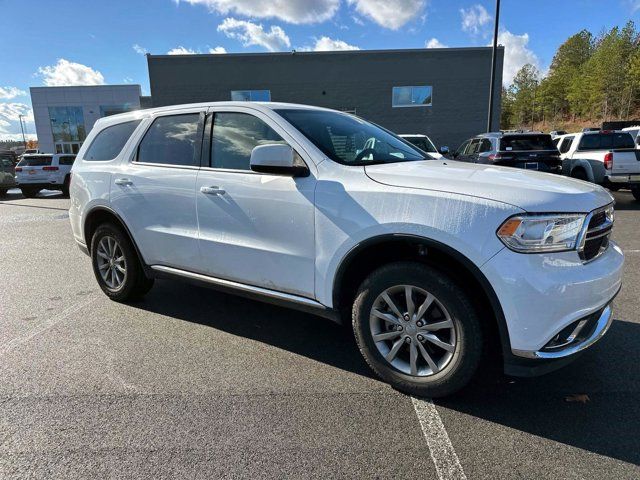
{"x": 265, "y": 292}
{"x": 602, "y": 326}
{"x": 582, "y": 236}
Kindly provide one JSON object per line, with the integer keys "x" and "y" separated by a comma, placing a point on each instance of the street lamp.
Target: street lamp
{"x": 24, "y": 140}
{"x": 494, "y": 55}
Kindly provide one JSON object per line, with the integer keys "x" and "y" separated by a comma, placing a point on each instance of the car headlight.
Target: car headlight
{"x": 531, "y": 233}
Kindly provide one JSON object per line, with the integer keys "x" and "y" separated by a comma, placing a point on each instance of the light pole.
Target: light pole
{"x": 494, "y": 55}
{"x": 24, "y": 140}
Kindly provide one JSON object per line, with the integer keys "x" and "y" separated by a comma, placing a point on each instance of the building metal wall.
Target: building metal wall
{"x": 353, "y": 80}
{"x": 89, "y": 98}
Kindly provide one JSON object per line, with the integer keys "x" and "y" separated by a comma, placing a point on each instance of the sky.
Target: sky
{"x": 92, "y": 42}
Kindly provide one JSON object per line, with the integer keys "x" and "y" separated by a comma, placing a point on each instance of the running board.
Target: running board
{"x": 258, "y": 293}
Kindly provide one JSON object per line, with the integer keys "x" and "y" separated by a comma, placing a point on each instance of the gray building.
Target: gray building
{"x": 65, "y": 115}
{"x": 440, "y": 92}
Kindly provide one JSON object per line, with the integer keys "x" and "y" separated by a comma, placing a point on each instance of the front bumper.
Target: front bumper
{"x": 543, "y": 296}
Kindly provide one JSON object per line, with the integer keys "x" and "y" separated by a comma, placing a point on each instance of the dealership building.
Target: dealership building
{"x": 64, "y": 115}
{"x": 443, "y": 92}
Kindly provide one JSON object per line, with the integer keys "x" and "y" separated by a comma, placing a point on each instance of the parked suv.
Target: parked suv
{"x": 7, "y": 175}
{"x": 434, "y": 263}
{"x": 41, "y": 171}
{"x": 425, "y": 144}
{"x": 529, "y": 150}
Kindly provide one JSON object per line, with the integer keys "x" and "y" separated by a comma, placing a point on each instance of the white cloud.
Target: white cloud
{"x": 11, "y": 112}
{"x": 16, "y": 137}
{"x": 11, "y": 92}
{"x": 326, "y": 44}
{"x": 391, "y": 14}
{"x": 138, "y": 49}
{"x": 217, "y": 50}
{"x": 474, "y": 18}
{"x": 516, "y": 54}
{"x": 434, "y": 43}
{"x": 66, "y": 73}
{"x": 253, "y": 34}
{"x": 291, "y": 11}
{"x": 182, "y": 51}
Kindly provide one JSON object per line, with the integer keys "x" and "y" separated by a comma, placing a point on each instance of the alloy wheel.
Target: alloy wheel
{"x": 111, "y": 263}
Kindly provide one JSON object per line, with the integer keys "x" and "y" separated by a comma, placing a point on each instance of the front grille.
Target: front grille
{"x": 596, "y": 238}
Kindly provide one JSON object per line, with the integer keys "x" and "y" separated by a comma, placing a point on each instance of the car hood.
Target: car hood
{"x": 528, "y": 190}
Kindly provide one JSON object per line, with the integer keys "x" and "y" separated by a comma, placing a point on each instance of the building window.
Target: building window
{"x": 67, "y": 124}
{"x": 415, "y": 96}
{"x": 251, "y": 95}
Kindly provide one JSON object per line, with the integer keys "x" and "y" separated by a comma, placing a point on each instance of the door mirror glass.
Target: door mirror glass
{"x": 444, "y": 150}
{"x": 278, "y": 159}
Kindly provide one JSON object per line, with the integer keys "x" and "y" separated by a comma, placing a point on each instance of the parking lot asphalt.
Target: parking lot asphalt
{"x": 192, "y": 383}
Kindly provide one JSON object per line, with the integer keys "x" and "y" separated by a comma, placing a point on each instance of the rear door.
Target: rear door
{"x": 155, "y": 190}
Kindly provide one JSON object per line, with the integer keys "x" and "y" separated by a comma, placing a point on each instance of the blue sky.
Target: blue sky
{"x": 63, "y": 42}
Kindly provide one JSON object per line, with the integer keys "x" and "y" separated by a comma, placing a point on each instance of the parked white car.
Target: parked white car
{"x": 44, "y": 172}
{"x": 433, "y": 262}
{"x": 607, "y": 157}
{"x": 424, "y": 143}
{"x": 634, "y": 132}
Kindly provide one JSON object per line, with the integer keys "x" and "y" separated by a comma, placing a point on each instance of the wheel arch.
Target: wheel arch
{"x": 377, "y": 251}
{"x": 102, "y": 214}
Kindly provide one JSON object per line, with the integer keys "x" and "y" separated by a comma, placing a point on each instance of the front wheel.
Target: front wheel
{"x": 116, "y": 265}
{"x": 417, "y": 329}
{"x": 635, "y": 190}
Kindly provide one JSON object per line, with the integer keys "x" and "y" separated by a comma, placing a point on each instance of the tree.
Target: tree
{"x": 523, "y": 89}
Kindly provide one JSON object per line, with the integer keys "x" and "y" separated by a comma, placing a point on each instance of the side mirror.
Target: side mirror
{"x": 278, "y": 159}
{"x": 444, "y": 150}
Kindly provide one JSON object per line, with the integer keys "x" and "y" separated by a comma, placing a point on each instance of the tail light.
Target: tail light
{"x": 608, "y": 161}
{"x": 18, "y": 169}
{"x": 50, "y": 169}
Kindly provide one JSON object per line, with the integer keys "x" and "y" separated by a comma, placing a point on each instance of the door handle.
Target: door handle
{"x": 212, "y": 190}
{"x": 123, "y": 181}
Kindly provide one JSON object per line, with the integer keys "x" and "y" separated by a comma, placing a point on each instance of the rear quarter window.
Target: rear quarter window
{"x": 518, "y": 143}
{"x": 35, "y": 161}
{"x": 109, "y": 142}
{"x": 66, "y": 160}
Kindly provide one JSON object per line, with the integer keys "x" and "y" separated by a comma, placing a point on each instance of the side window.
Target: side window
{"x": 566, "y": 144}
{"x": 109, "y": 142}
{"x": 556, "y": 141}
{"x": 473, "y": 147}
{"x": 66, "y": 160}
{"x": 172, "y": 140}
{"x": 485, "y": 145}
{"x": 462, "y": 148}
{"x": 234, "y": 137}
{"x": 590, "y": 142}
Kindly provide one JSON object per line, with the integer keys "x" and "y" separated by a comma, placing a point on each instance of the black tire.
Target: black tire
{"x": 65, "y": 186}
{"x": 466, "y": 357}
{"x": 29, "y": 192}
{"x": 135, "y": 284}
{"x": 613, "y": 188}
{"x": 580, "y": 174}
{"x": 635, "y": 191}
{"x": 3, "y": 192}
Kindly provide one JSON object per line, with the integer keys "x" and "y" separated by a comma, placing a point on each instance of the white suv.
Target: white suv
{"x": 434, "y": 262}
{"x": 44, "y": 172}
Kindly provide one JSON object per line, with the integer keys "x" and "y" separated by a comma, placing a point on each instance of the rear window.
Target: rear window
{"x": 518, "y": 143}
{"x": 67, "y": 160}
{"x": 109, "y": 142}
{"x": 35, "y": 161}
{"x": 606, "y": 141}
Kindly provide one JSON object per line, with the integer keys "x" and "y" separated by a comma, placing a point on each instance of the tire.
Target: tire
{"x": 613, "y": 188}
{"x": 580, "y": 174}
{"x": 118, "y": 285}
{"x": 635, "y": 191}
{"x": 65, "y": 186}
{"x": 453, "y": 369}
{"x": 3, "y": 192}
{"x": 29, "y": 192}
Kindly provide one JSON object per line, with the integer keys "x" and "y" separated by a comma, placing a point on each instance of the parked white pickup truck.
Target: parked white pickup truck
{"x": 609, "y": 158}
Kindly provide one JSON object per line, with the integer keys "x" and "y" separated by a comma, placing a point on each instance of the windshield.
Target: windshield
{"x": 34, "y": 161}
{"x": 518, "y": 143}
{"x": 350, "y": 140}
{"x": 423, "y": 143}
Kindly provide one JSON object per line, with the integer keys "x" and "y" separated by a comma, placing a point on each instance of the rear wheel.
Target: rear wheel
{"x": 580, "y": 174}
{"x": 635, "y": 190}
{"x": 417, "y": 329}
{"x": 29, "y": 192}
{"x": 116, "y": 265}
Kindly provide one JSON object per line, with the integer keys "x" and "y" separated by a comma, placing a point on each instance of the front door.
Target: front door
{"x": 155, "y": 191}
{"x": 256, "y": 229}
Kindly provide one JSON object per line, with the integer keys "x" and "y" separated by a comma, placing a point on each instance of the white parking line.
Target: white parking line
{"x": 444, "y": 456}
{"x": 45, "y": 325}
